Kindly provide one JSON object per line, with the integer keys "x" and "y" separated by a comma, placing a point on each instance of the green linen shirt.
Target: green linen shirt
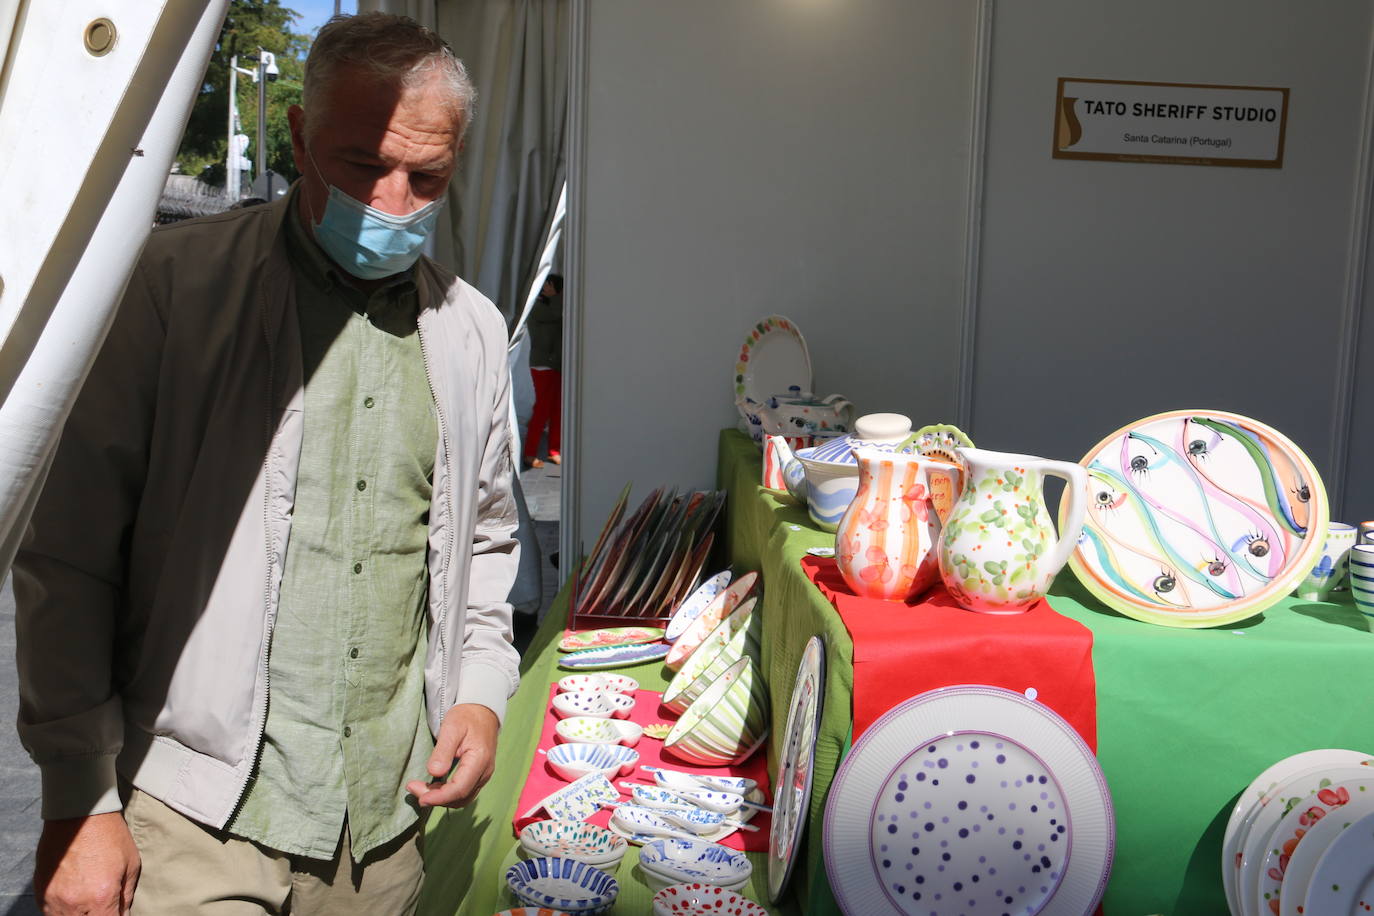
{"x": 346, "y": 725}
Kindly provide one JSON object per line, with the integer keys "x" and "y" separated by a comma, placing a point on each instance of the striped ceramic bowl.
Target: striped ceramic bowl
{"x": 727, "y": 722}
{"x": 563, "y": 884}
{"x": 733, "y": 638}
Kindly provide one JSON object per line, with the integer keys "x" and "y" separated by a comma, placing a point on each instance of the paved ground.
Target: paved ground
{"x": 19, "y": 783}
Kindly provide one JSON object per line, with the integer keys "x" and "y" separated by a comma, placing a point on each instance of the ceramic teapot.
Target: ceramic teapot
{"x": 998, "y": 553}
{"x": 796, "y": 413}
{"x": 885, "y": 544}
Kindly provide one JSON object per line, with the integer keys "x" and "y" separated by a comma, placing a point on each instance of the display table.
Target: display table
{"x": 468, "y": 850}
{"x": 1185, "y": 718}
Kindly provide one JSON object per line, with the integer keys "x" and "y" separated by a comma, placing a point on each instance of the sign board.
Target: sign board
{"x": 1181, "y": 123}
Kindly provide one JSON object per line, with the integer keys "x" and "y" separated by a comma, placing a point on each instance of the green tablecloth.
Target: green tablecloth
{"x": 467, "y": 851}
{"x": 1186, "y": 718}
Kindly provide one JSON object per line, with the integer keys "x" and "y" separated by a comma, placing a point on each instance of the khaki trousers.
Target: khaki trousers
{"x": 190, "y": 868}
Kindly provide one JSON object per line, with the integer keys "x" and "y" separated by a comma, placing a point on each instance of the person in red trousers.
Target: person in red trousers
{"x": 546, "y": 370}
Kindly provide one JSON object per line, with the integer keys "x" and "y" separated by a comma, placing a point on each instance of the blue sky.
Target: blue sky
{"x": 314, "y": 13}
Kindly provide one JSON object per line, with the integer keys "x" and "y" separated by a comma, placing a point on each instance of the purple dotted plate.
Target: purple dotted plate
{"x": 1000, "y": 809}
{"x": 613, "y": 656}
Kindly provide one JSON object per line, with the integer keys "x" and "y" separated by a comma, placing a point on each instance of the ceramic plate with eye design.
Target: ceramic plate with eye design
{"x": 1198, "y": 518}
{"x": 969, "y": 799}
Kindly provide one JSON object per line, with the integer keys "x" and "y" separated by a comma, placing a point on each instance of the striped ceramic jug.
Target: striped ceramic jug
{"x": 884, "y": 544}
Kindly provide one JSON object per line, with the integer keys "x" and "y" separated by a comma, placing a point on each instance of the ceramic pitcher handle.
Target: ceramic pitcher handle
{"x": 1075, "y": 478}
{"x": 840, "y": 403}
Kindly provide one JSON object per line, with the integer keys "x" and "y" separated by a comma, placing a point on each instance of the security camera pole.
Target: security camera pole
{"x": 267, "y": 70}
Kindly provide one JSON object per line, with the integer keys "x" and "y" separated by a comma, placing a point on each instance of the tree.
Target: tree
{"x": 249, "y": 25}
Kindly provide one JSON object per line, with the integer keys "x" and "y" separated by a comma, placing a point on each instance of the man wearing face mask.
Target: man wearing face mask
{"x": 262, "y": 609}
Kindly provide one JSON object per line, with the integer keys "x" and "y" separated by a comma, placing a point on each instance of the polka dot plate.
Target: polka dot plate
{"x": 969, "y": 800}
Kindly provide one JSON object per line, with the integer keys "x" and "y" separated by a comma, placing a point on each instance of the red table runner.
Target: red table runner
{"x": 901, "y": 650}
{"x": 542, "y": 781}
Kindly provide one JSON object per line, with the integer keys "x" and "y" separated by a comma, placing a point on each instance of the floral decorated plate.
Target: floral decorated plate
{"x": 773, "y": 359}
{"x": 1198, "y": 518}
{"x": 658, "y": 730}
{"x": 1297, "y": 871}
{"x": 578, "y": 800}
{"x": 613, "y": 656}
{"x": 1263, "y": 833}
{"x": 1291, "y": 833}
{"x": 1259, "y": 793}
{"x": 957, "y": 785}
{"x": 609, "y": 636}
{"x": 792, "y": 791}
{"x": 1343, "y": 883}
{"x": 697, "y": 899}
{"x": 696, "y": 602}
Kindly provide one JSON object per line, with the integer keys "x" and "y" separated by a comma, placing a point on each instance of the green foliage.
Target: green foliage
{"x": 249, "y": 25}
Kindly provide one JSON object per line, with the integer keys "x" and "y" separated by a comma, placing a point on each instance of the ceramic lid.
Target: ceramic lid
{"x": 883, "y": 427}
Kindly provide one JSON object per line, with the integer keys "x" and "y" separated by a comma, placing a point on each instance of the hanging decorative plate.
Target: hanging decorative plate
{"x": 1198, "y": 518}
{"x": 1343, "y": 884}
{"x": 969, "y": 799}
{"x": 773, "y": 359}
{"x": 792, "y": 791}
{"x": 1302, "y": 863}
{"x": 1264, "y": 829}
{"x": 720, "y": 607}
{"x": 1260, "y": 792}
{"x": 613, "y": 656}
{"x": 610, "y": 636}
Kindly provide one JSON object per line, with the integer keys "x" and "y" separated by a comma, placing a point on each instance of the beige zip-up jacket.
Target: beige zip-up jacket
{"x": 148, "y": 582}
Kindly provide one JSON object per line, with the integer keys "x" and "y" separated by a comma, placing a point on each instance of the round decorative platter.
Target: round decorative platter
{"x": 1000, "y": 807}
{"x": 773, "y": 359}
{"x": 1198, "y": 518}
{"x": 1296, "y": 874}
{"x": 792, "y": 793}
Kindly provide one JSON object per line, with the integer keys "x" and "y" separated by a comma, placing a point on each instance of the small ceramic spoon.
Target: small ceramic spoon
{"x": 694, "y": 820}
{"x": 636, "y": 819}
{"x": 676, "y": 779}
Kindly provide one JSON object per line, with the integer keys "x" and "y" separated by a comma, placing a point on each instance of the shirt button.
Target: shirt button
{"x": 362, "y": 485}
{"x": 348, "y": 732}
{"x": 353, "y": 653}
{"x": 357, "y": 567}
{"x": 368, "y": 402}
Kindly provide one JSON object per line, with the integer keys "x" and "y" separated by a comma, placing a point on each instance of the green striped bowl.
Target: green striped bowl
{"x": 733, "y": 638}
{"x": 727, "y": 722}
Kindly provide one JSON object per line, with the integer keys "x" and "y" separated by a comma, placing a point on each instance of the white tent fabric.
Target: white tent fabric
{"x": 93, "y": 103}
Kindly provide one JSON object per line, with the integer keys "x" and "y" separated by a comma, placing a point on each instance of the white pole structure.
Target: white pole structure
{"x": 231, "y": 153}
{"x": 93, "y": 105}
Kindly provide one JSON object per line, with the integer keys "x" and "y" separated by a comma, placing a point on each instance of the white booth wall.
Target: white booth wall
{"x": 820, "y": 159}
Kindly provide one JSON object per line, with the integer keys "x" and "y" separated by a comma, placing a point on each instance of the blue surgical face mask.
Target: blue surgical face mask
{"x": 367, "y": 242}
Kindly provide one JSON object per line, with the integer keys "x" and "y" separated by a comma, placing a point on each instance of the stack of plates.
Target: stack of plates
{"x": 1301, "y": 838}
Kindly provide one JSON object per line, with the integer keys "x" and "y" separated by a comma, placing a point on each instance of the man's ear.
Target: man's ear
{"x": 295, "y": 118}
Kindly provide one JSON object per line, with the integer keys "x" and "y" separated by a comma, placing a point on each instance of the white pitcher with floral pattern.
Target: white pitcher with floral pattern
{"x": 998, "y": 551}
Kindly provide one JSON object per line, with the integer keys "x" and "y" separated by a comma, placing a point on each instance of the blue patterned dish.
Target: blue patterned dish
{"x": 613, "y": 656}
{"x": 696, "y": 860}
{"x": 563, "y": 884}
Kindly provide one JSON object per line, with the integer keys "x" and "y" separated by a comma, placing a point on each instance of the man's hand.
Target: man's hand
{"x": 86, "y": 865}
{"x": 467, "y": 734}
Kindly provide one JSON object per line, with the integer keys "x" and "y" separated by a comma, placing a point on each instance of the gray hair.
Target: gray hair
{"x": 393, "y": 48}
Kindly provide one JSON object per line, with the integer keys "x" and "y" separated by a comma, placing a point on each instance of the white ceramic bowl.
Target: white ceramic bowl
{"x": 573, "y": 840}
{"x": 573, "y": 761}
{"x": 695, "y": 899}
{"x": 727, "y": 722}
{"x": 563, "y": 884}
{"x": 594, "y": 730}
{"x": 579, "y": 703}
{"x": 597, "y": 683}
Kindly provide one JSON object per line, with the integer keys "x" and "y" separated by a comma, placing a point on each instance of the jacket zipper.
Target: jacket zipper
{"x": 448, "y": 538}
{"x": 261, "y": 713}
